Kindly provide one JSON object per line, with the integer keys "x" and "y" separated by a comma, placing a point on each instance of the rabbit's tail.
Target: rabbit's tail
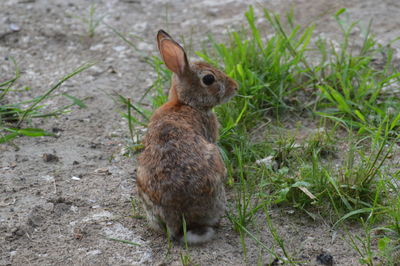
{"x": 198, "y": 235}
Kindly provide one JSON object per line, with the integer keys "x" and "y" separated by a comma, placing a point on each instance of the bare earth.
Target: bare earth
{"x": 65, "y": 212}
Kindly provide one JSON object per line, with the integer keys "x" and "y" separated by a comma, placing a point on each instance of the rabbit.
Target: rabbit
{"x": 181, "y": 174}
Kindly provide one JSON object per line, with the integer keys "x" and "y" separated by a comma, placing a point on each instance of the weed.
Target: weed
{"x": 186, "y": 260}
{"x": 136, "y": 211}
{"x": 13, "y": 116}
{"x": 363, "y": 246}
{"x": 352, "y": 86}
{"x": 245, "y": 205}
{"x": 91, "y": 21}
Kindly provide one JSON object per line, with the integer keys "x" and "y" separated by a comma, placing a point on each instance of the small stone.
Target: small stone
{"x": 75, "y": 178}
{"x": 48, "y": 178}
{"x": 111, "y": 70}
{"x": 74, "y": 209}
{"x": 276, "y": 262}
{"x": 93, "y": 145}
{"x": 103, "y": 171}
{"x": 96, "y": 47}
{"x": 48, "y": 157}
{"x": 325, "y": 259}
{"x": 94, "y": 252}
{"x": 35, "y": 220}
{"x": 56, "y": 129}
{"x": 8, "y": 201}
{"x": 79, "y": 233}
{"x": 14, "y": 27}
{"x": 269, "y": 162}
{"x": 119, "y": 48}
{"x": 19, "y": 232}
{"x": 13, "y": 165}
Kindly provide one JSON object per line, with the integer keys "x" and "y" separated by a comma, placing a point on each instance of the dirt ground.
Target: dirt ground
{"x": 65, "y": 212}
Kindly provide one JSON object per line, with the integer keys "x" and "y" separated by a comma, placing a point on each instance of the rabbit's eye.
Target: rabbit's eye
{"x": 208, "y": 79}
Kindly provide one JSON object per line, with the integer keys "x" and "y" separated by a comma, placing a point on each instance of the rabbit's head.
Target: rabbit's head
{"x": 199, "y": 84}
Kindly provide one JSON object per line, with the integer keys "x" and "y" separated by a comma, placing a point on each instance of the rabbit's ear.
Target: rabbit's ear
{"x": 172, "y": 53}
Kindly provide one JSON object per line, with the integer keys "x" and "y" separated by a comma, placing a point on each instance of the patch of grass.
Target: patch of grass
{"x": 343, "y": 185}
{"x": 91, "y": 20}
{"x": 354, "y": 89}
{"x": 386, "y": 239}
{"x": 363, "y": 246}
{"x": 15, "y": 118}
{"x": 322, "y": 143}
{"x": 268, "y": 75}
{"x": 244, "y": 182}
{"x": 387, "y": 234}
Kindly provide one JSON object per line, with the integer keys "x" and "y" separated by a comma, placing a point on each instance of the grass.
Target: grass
{"x": 342, "y": 171}
{"x": 186, "y": 260}
{"x": 16, "y": 118}
{"x": 91, "y": 20}
{"x": 353, "y": 86}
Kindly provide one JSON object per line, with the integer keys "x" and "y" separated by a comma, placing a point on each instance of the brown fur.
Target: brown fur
{"x": 181, "y": 172}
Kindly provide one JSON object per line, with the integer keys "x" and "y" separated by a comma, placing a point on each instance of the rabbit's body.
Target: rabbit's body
{"x": 181, "y": 173}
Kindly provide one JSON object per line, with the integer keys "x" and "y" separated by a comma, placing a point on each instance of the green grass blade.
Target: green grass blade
{"x": 124, "y": 241}
{"x": 52, "y": 89}
{"x": 16, "y": 75}
{"x": 30, "y": 132}
{"x": 75, "y": 100}
{"x": 356, "y": 212}
{"x": 8, "y": 137}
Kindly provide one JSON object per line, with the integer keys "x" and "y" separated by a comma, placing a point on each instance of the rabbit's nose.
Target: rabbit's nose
{"x": 234, "y": 85}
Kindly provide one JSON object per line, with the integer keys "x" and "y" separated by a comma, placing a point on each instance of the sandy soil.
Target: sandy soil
{"x": 64, "y": 212}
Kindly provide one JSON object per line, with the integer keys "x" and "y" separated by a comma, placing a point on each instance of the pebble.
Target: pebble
{"x": 94, "y": 252}
{"x": 14, "y": 27}
{"x": 48, "y": 178}
{"x": 269, "y": 162}
{"x": 325, "y": 259}
{"x": 74, "y": 209}
{"x": 119, "y": 48}
{"x": 103, "y": 171}
{"x": 48, "y": 157}
{"x": 97, "y": 47}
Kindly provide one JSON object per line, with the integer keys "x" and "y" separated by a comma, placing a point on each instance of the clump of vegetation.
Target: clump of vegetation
{"x": 15, "y": 118}
{"x": 91, "y": 20}
{"x": 342, "y": 171}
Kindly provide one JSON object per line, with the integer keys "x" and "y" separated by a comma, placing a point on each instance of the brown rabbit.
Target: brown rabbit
{"x": 181, "y": 173}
